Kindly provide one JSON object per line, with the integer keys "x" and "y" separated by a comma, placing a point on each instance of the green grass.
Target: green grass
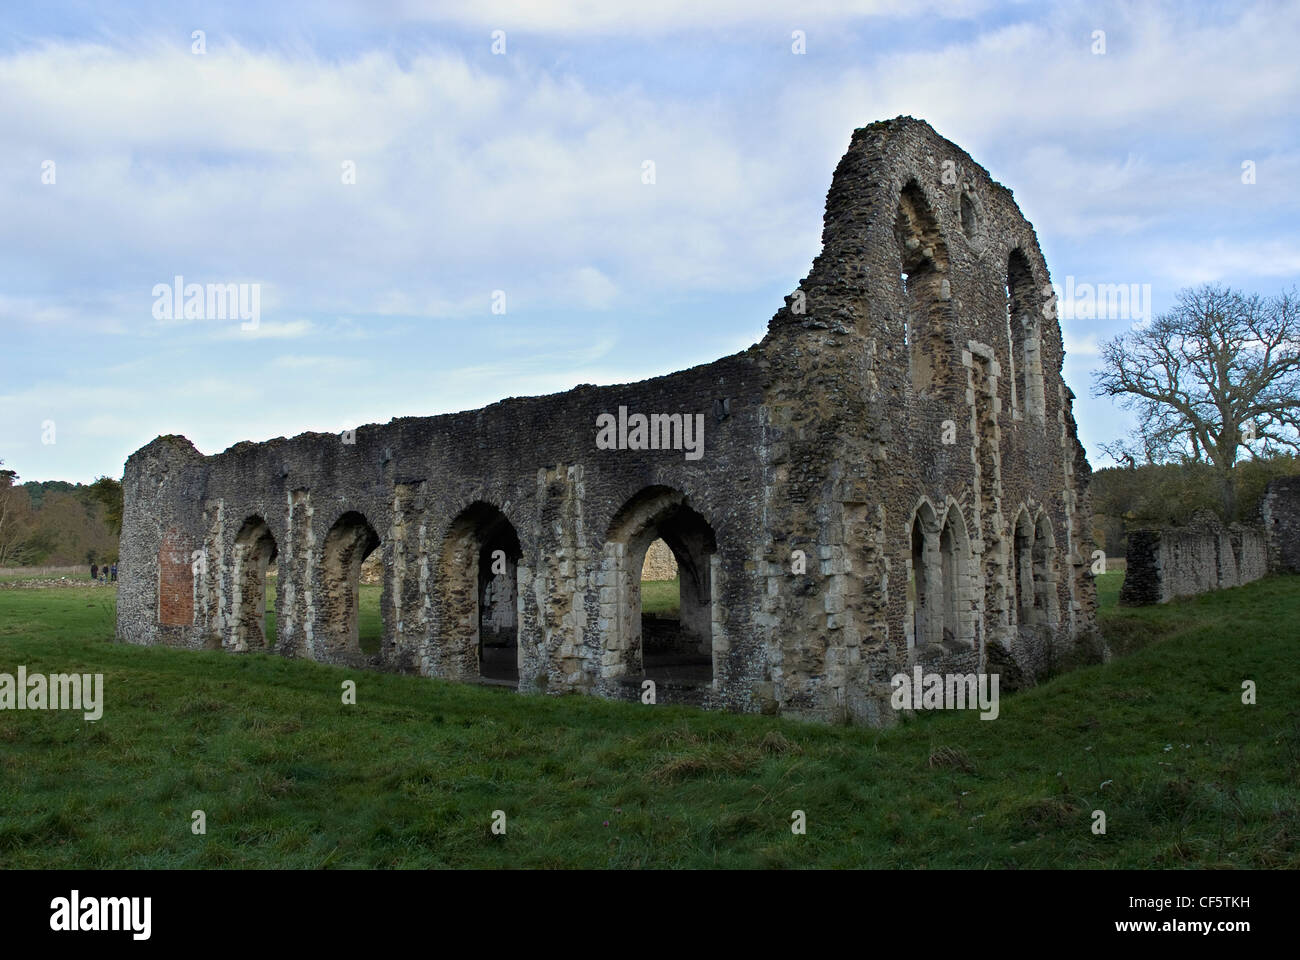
{"x": 12, "y": 577}
{"x": 288, "y": 776}
{"x": 661, "y": 597}
{"x": 1108, "y": 585}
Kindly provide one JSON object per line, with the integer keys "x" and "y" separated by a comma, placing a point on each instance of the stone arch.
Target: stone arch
{"x": 957, "y": 577}
{"x": 254, "y": 549}
{"x": 478, "y": 577}
{"x": 1046, "y": 603}
{"x": 1022, "y": 560}
{"x": 924, "y": 624}
{"x": 349, "y": 541}
{"x": 686, "y": 652}
{"x": 1025, "y": 337}
{"x": 923, "y": 269}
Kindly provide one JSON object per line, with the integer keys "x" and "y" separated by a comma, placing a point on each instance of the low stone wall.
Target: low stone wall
{"x": 1183, "y": 561}
{"x": 1280, "y": 510}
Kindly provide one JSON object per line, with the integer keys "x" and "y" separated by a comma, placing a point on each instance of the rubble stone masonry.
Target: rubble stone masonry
{"x": 891, "y": 477}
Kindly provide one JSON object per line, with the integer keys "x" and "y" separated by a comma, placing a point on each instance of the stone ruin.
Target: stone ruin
{"x": 1181, "y": 561}
{"x": 659, "y": 563}
{"x": 890, "y": 478}
{"x": 1279, "y": 513}
{"x": 1165, "y": 563}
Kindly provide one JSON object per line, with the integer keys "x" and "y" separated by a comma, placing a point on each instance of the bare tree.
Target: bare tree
{"x": 1217, "y": 374}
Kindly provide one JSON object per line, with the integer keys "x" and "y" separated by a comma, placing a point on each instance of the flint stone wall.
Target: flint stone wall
{"x": 883, "y": 420}
{"x": 659, "y": 562}
{"x": 1205, "y": 555}
{"x": 1280, "y": 513}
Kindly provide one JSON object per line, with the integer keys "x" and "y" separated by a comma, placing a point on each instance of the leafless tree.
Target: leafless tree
{"x": 1218, "y": 374}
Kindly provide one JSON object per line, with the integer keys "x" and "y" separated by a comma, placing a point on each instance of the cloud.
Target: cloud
{"x": 467, "y": 180}
{"x": 1209, "y": 260}
{"x": 319, "y": 363}
{"x": 592, "y": 17}
{"x": 264, "y": 330}
{"x": 1081, "y": 346}
{"x": 524, "y": 173}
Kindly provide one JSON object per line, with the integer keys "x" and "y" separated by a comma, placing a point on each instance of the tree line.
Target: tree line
{"x": 57, "y": 523}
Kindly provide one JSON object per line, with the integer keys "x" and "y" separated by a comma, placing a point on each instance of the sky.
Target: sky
{"x": 388, "y": 183}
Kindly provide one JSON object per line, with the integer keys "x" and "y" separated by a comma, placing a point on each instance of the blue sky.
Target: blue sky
{"x": 521, "y": 172}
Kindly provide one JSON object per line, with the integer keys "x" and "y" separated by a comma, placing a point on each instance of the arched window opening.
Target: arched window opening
{"x": 949, "y": 560}
{"x": 954, "y": 563}
{"x": 1046, "y": 604}
{"x": 907, "y": 327}
{"x": 924, "y": 616}
{"x": 1024, "y": 569}
{"x": 969, "y": 219}
{"x": 918, "y": 586}
{"x": 1024, "y": 329}
{"x": 923, "y": 265}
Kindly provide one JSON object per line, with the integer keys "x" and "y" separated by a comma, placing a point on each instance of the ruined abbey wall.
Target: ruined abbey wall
{"x": 891, "y": 477}
{"x": 659, "y": 562}
{"x": 1170, "y": 562}
{"x": 1165, "y": 563}
{"x": 1280, "y": 517}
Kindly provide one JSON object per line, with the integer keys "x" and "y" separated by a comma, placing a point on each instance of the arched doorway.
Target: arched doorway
{"x": 480, "y": 582}
{"x": 653, "y": 643}
{"x": 255, "y": 549}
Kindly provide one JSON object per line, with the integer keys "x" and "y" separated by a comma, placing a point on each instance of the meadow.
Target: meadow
{"x": 288, "y": 776}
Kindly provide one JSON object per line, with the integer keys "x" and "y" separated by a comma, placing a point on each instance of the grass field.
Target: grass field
{"x": 661, "y": 597}
{"x": 288, "y": 776}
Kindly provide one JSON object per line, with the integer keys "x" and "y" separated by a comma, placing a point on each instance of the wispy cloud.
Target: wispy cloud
{"x": 525, "y": 174}
{"x": 264, "y": 330}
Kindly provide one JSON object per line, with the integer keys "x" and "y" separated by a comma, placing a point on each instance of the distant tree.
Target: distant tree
{"x": 15, "y": 511}
{"x": 56, "y": 522}
{"x": 37, "y": 489}
{"x": 1218, "y": 374}
{"x": 109, "y": 492}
